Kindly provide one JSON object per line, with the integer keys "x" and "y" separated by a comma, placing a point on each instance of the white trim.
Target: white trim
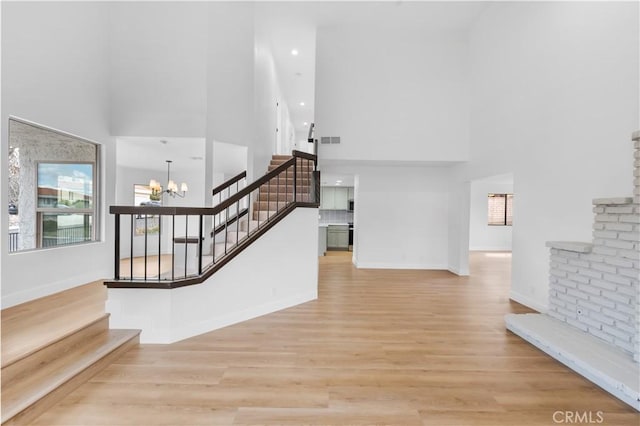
{"x": 528, "y": 302}
{"x": 458, "y": 272}
{"x": 383, "y": 265}
{"x": 485, "y": 248}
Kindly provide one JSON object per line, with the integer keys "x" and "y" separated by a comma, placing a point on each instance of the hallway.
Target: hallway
{"x": 398, "y": 347}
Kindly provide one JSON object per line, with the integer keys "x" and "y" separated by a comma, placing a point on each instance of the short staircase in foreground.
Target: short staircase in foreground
{"x": 54, "y": 344}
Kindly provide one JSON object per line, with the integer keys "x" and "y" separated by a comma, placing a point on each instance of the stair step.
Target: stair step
{"x": 263, "y": 215}
{"x": 33, "y": 325}
{"x": 252, "y": 226}
{"x": 284, "y": 189}
{"x": 31, "y": 393}
{"x": 272, "y": 196}
{"x": 270, "y": 205}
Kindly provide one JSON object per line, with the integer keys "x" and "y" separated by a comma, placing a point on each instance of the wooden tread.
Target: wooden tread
{"x": 29, "y": 394}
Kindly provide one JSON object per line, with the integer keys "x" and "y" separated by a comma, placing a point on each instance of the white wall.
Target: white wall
{"x": 54, "y": 72}
{"x": 158, "y": 68}
{"x": 250, "y": 285}
{"x": 554, "y": 99}
{"x": 392, "y": 94}
{"x": 481, "y": 235}
{"x": 401, "y": 217}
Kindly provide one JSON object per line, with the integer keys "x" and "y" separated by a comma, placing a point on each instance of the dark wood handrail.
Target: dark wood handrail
{"x": 229, "y": 182}
{"x": 184, "y": 211}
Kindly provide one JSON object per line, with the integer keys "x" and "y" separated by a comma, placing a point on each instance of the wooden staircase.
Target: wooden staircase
{"x": 272, "y": 198}
{"x": 52, "y": 345}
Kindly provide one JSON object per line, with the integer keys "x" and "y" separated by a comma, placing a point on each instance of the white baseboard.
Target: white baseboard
{"x": 383, "y": 265}
{"x": 485, "y": 248}
{"x": 527, "y": 301}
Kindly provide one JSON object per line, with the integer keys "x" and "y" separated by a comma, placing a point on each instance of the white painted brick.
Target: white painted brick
{"x": 558, "y": 273}
{"x": 617, "y": 279}
{"x": 568, "y": 298}
{"x": 636, "y": 143}
{"x": 616, "y": 297}
{"x": 609, "y": 269}
{"x": 600, "y": 241}
{"x": 555, "y": 251}
{"x": 627, "y": 291}
{"x": 623, "y": 344}
{"x": 628, "y": 254}
{"x": 575, "y": 295}
{"x": 606, "y": 251}
{"x": 623, "y": 263}
{"x": 569, "y": 254}
{"x": 629, "y": 272}
{"x": 619, "y": 209}
{"x": 557, "y": 316}
{"x": 607, "y": 217}
{"x": 578, "y": 278}
{"x": 625, "y": 245}
{"x": 616, "y": 332}
{"x": 626, "y": 309}
{"x": 567, "y": 268}
{"x": 629, "y": 236}
{"x": 622, "y": 326}
{"x": 553, "y": 302}
{"x": 579, "y": 262}
{"x": 592, "y": 257}
{"x": 605, "y": 234}
{"x": 565, "y": 282}
{"x": 601, "y": 319}
{"x": 589, "y": 321}
{"x": 628, "y": 218}
{"x": 624, "y": 227}
{"x": 604, "y": 285}
{"x": 559, "y": 259}
{"x": 603, "y": 336}
{"x": 598, "y": 209}
{"x": 616, "y": 314}
{"x": 587, "y": 272}
{"x": 598, "y": 226}
{"x": 590, "y": 305}
{"x": 577, "y": 324}
{"x": 557, "y": 289}
{"x": 602, "y": 301}
{"x": 566, "y": 312}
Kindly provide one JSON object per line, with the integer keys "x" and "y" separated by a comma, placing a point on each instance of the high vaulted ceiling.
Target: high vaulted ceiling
{"x": 293, "y": 25}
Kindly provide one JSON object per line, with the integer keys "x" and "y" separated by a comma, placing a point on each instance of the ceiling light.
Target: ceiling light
{"x": 172, "y": 187}
{"x": 294, "y": 52}
{"x": 301, "y": 103}
{"x": 305, "y": 123}
{"x": 338, "y": 182}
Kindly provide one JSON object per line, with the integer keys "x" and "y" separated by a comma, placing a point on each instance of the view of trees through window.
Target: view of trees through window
{"x": 500, "y": 211}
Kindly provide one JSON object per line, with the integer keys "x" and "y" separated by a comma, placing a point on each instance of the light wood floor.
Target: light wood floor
{"x": 377, "y": 347}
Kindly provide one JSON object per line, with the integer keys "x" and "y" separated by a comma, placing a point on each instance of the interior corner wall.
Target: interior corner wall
{"x": 392, "y": 94}
{"x": 54, "y": 73}
{"x": 481, "y": 235}
{"x": 401, "y": 217}
{"x": 554, "y": 98}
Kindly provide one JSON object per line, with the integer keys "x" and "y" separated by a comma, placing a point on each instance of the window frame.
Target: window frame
{"x": 92, "y": 212}
{"x": 505, "y": 196}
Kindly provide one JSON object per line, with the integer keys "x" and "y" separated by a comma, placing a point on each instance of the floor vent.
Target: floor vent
{"x": 329, "y": 139}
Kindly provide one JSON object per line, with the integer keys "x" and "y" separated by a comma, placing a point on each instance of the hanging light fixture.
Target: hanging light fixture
{"x": 172, "y": 187}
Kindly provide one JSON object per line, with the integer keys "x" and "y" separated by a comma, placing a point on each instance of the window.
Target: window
{"x": 500, "y": 209}
{"x": 65, "y": 206}
{"x": 53, "y": 187}
{"x": 143, "y": 195}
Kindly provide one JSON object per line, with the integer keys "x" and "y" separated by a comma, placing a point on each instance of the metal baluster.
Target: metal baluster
{"x": 226, "y": 224}
{"x": 173, "y": 247}
{"x": 200, "y": 246}
{"x": 237, "y": 216}
{"x": 145, "y": 246}
{"x": 159, "y": 246}
{"x": 132, "y": 227}
{"x": 186, "y": 246}
{"x": 116, "y": 265}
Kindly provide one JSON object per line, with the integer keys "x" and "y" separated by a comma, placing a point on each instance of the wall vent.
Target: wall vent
{"x": 330, "y": 139}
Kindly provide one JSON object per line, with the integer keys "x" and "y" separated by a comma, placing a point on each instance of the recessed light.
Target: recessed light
{"x": 301, "y": 103}
{"x": 338, "y": 181}
{"x": 294, "y": 52}
{"x": 305, "y": 123}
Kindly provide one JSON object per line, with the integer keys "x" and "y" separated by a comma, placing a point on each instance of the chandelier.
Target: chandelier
{"x": 172, "y": 187}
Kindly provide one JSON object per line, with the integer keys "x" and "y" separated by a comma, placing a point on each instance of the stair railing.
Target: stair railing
{"x": 177, "y": 250}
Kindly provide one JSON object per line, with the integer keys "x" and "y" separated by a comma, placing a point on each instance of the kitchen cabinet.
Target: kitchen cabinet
{"x": 334, "y": 198}
{"x": 338, "y": 237}
{"x": 322, "y": 240}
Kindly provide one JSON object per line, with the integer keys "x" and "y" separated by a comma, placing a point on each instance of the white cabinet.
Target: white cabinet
{"x": 334, "y": 198}
{"x": 322, "y": 240}
{"x": 338, "y": 237}
{"x": 341, "y": 201}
